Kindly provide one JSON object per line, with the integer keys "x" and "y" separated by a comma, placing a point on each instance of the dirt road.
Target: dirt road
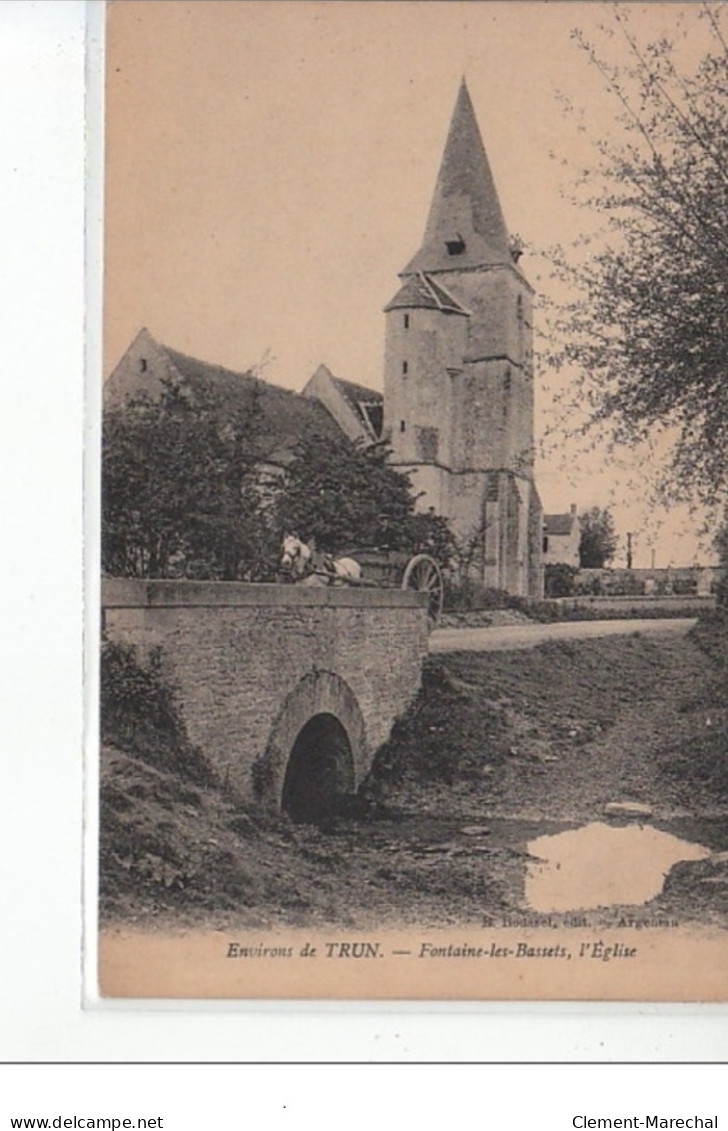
{"x": 508, "y": 638}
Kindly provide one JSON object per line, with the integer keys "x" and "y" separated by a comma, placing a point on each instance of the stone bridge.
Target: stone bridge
{"x": 289, "y": 691}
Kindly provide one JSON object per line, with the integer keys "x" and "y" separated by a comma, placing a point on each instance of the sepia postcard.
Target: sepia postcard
{"x": 414, "y": 638}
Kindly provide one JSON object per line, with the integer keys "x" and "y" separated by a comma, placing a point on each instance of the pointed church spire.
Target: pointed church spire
{"x": 465, "y": 227}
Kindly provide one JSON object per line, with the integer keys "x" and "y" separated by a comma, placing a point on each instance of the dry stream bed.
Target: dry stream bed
{"x": 490, "y": 805}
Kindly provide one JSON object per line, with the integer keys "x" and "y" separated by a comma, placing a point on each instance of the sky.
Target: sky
{"x": 269, "y": 167}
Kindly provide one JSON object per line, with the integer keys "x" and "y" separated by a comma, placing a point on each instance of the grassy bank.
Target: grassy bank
{"x": 701, "y": 765}
{"x": 171, "y": 836}
{"x": 711, "y": 634}
{"x": 520, "y": 738}
{"x": 477, "y": 709}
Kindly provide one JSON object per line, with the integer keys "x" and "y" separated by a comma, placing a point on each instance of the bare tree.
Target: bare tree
{"x": 644, "y": 330}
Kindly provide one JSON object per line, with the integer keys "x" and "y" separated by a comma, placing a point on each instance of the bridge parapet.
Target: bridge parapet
{"x": 255, "y": 666}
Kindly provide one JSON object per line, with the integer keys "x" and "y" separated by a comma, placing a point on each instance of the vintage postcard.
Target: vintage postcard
{"x": 414, "y": 648}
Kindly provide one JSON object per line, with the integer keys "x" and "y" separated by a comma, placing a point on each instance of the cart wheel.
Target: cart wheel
{"x": 423, "y": 574}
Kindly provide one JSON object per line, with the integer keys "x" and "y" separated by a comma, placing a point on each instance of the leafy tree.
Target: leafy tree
{"x": 182, "y": 492}
{"x": 429, "y": 533}
{"x": 344, "y": 495}
{"x": 598, "y": 543}
{"x": 646, "y": 326}
{"x": 180, "y": 489}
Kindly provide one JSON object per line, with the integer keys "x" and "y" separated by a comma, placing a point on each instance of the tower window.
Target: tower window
{"x": 521, "y": 331}
{"x": 456, "y": 246}
{"x": 405, "y": 367}
{"x": 402, "y": 426}
{"x": 143, "y": 365}
{"x": 506, "y": 393}
{"x": 406, "y": 321}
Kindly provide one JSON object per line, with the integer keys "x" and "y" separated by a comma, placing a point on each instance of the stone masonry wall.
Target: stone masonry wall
{"x": 236, "y": 654}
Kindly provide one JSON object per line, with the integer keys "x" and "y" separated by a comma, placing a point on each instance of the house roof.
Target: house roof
{"x": 421, "y": 291}
{"x": 465, "y": 212}
{"x": 285, "y": 416}
{"x": 559, "y": 523}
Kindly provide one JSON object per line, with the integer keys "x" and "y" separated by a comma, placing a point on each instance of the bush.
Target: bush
{"x": 469, "y": 596}
{"x": 559, "y": 579}
{"x": 721, "y": 592}
{"x": 685, "y": 586}
{"x": 622, "y": 583}
{"x": 545, "y": 612}
{"x": 588, "y": 584}
{"x": 140, "y": 714}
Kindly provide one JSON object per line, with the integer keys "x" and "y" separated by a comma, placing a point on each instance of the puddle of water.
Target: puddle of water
{"x": 600, "y": 865}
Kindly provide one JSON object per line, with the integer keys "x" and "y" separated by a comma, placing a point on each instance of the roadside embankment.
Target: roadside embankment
{"x": 498, "y": 749}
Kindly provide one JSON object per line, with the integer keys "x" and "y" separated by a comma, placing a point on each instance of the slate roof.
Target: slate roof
{"x": 285, "y": 416}
{"x": 559, "y": 523}
{"x": 357, "y": 393}
{"x": 465, "y": 209}
{"x": 368, "y": 404}
{"x": 423, "y": 292}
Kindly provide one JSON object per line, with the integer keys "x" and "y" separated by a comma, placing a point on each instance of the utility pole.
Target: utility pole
{"x": 629, "y": 551}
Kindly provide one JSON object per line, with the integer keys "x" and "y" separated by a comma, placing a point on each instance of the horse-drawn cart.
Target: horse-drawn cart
{"x": 381, "y": 569}
{"x": 392, "y": 569}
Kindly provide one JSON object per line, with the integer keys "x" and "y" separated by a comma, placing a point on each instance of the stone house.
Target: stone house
{"x": 561, "y": 537}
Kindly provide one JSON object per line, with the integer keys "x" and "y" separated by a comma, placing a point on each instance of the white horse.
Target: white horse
{"x": 300, "y": 562}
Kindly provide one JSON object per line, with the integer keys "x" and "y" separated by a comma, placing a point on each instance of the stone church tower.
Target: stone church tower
{"x": 458, "y": 379}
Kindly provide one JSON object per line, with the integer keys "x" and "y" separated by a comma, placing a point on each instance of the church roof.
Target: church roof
{"x": 465, "y": 226}
{"x": 422, "y": 291}
{"x": 368, "y": 404}
{"x": 559, "y": 523}
{"x": 284, "y": 416}
{"x": 357, "y": 394}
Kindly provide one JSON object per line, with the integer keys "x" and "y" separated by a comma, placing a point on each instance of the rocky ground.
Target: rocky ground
{"x": 499, "y": 750}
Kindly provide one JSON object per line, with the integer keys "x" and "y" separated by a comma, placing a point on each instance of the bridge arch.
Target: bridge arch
{"x": 320, "y": 770}
{"x": 317, "y": 747}
{"x": 252, "y": 664}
